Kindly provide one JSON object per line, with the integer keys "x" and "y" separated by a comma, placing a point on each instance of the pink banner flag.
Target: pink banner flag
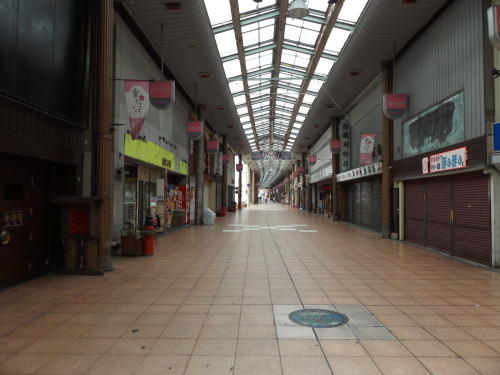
{"x": 137, "y": 100}
{"x": 366, "y": 149}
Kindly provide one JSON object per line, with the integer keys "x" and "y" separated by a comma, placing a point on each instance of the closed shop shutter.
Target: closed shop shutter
{"x": 415, "y": 211}
{"x": 438, "y": 208}
{"x": 377, "y": 204}
{"x": 348, "y": 206}
{"x": 156, "y": 174}
{"x": 356, "y": 203}
{"x": 142, "y": 173}
{"x": 471, "y": 217}
{"x": 366, "y": 204}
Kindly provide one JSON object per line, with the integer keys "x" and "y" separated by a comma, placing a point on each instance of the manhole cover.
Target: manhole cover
{"x": 318, "y": 318}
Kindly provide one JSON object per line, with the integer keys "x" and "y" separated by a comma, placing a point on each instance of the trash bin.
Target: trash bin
{"x": 148, "y": 239}
{"x": 208, "y": 217}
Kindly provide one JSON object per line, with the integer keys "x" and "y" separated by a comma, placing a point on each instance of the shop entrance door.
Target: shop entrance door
{"x": 24, "y": 203}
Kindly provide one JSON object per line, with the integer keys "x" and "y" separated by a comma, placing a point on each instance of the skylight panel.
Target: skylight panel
{"x": 226, "y": 43}
{"x": 324, "y": 66}
{"x": 303, "y": 109}
{"x": 234, "y": 87}
{"x": 315, "y": 85}
{"x": 232, "y": 68}
{"x": 246, "y": 6}
{"x": 309, "y": 99}
{"x": 291, "y": 58}
{"x": 336, "y": 41}
{"x": 242, "y": 111}
{"x": 240, "y": 99}
{"x": 253, "y": 62}
{"x": 353, "y": 11}
{"x": 320, "y": 5}
{"x": 216, "y": 13}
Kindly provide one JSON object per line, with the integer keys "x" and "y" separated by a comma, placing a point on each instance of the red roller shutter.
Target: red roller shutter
{"x": 415, "y": 211}
{"x": 471, "y": 214}
{"x": 438, "y": 210}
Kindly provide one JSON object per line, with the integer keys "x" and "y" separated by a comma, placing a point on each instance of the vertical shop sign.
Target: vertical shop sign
{"x": 345, "y": 150}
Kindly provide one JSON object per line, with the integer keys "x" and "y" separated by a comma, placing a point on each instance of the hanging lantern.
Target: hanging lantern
{"x": 302, "y": 170}
{"x": 212, "y": 147}
{"x": 335, "y": 146}
{"x": 312, "y": 159}
{"x": 295, "y": 174}
{"x": 194, "y": 129}
{"x": 239, "y": 167}
{"x": 226, "y": 159}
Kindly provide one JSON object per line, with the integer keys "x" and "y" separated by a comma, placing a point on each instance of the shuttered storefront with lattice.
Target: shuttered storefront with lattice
{"x": 450, "y": 214}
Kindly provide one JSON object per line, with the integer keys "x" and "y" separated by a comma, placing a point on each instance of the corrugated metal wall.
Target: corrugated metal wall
{"x": 447, "y": 58}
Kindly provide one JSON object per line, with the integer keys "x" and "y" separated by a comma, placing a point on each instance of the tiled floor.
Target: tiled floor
{"x": 215, "y": 299}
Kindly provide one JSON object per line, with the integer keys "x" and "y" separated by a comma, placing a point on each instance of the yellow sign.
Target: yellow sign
{"x": 151, "y": 153}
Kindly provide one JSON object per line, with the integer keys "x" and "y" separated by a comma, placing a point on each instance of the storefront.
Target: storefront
{"x": 450, "y": 214}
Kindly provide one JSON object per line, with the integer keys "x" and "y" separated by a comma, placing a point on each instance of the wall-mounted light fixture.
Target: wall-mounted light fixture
{"x": 122, "y": 171}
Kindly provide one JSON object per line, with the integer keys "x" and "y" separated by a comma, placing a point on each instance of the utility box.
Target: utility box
{"x": 79, "y": 234}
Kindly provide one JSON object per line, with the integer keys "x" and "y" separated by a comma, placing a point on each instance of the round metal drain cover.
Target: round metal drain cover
{"x": 318, "y": 318}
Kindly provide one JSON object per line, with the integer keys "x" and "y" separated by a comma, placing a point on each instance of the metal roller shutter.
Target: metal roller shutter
{"x": 348, "y": 206}
{"x": 356, "y": 203}
{"x": 414, "y": 211}
{"x": 438, "y": 213}
{"x": 366, "y": 204}
{"x": 471, "y": 217}
{"x": 377, "y": 204}
{"x": 142, "y": 173}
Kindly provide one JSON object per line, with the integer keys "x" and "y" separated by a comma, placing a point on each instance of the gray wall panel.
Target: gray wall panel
{"x": 446, "y": 59}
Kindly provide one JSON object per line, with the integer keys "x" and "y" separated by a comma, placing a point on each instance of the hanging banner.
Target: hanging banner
{"x": 137, "y": 100}
{"x": 366, "y": 149}
{"x": 161, "y": 93}
{"x": 218, "y": 163}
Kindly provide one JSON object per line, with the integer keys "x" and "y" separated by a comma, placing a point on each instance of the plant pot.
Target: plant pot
{"x": 131, "y": 245}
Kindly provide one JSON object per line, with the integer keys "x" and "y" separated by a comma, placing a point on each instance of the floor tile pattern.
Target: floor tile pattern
{"x": 214, "y": 300}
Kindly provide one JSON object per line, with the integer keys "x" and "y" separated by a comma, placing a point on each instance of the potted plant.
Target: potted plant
{"x": 131, "y": 240}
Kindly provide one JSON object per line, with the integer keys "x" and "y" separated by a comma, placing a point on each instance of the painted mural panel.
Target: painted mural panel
{"x": 437, "y": 127}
